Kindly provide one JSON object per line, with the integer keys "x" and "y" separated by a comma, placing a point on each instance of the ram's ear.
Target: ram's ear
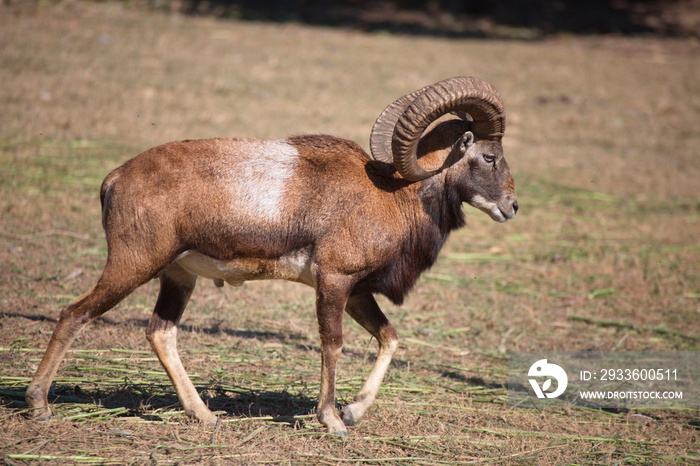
{"x": 465, "y": 142}
{"x": 459, "y": 149}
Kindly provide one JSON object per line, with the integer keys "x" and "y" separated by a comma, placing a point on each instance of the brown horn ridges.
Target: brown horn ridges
{"x": 383, "y": 129}
{"x": 413, "y": 113}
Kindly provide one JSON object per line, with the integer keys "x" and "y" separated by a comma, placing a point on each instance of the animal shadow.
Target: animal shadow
{"x": 152, "y": 402}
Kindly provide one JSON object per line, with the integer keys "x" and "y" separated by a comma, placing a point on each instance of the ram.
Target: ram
{"x": 312, "y": 209}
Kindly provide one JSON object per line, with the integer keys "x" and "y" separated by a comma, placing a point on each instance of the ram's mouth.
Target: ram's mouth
{"x": 492, "y": 209}
{"x": 498, "y": 215}
{"x": 509, "y": 214}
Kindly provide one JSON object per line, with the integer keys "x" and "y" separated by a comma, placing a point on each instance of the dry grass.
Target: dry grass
{"x": 604, "y": 254}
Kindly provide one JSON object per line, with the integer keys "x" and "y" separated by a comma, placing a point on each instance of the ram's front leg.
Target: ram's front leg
{"x": 331, "y": 295}
{"x": 366, "y": 312}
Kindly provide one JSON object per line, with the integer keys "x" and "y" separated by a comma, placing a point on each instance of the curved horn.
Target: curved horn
{"x": 383, "y": 129}
{"x": 398, "y": 129}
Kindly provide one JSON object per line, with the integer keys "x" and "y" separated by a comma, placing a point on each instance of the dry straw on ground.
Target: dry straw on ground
{"x": 603, "y": 255}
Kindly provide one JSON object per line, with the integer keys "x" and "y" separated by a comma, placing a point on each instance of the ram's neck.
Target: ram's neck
{"x": 430, "y": 214}
{"x": 442, "y": 204}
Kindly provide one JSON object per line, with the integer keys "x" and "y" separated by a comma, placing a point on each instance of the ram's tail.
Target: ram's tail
{"x": 106, "y": 190}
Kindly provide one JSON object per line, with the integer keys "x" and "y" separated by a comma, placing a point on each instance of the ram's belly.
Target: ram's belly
{"x": 294, "y": 266}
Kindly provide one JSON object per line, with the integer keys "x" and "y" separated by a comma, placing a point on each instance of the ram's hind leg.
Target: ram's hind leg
{"x": 364, "y": 309}
{"x": 115, "y": 284}
{"x": 176, "y": 287}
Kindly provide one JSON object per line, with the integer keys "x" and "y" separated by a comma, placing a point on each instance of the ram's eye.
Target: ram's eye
{"x": 489, "y": 158}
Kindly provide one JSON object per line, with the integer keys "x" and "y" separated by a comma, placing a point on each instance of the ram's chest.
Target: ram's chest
{"x": 295, "y": 266}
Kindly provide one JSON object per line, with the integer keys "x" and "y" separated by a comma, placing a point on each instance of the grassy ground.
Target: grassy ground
{"x": 602, "y": 139}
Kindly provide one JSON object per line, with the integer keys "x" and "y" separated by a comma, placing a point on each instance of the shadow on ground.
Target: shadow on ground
{"x": 147, "y": 401}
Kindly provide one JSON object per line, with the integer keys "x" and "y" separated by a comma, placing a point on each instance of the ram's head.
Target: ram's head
{"x": 466, "y": 149}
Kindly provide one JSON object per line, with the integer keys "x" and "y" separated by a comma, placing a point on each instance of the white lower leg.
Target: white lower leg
{"x": 164, "y": 343}
{"x": 353, "y": 412}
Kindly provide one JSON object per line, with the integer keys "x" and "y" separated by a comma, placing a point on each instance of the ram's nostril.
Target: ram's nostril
{"x": 516, "y": 207}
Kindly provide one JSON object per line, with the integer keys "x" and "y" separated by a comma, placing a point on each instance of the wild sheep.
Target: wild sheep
{"x": 312, "y": 209}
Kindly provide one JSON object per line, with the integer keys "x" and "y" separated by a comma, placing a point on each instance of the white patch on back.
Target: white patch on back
{"x": 258, "y": 181}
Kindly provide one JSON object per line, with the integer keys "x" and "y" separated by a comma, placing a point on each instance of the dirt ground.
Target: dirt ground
{"x": 603, "y": 255}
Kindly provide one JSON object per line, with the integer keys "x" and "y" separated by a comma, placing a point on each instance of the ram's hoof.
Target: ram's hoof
{"x": 41, "y": 414}
{"x": 339, "y": 433}
{"x": 348, "y": 416}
